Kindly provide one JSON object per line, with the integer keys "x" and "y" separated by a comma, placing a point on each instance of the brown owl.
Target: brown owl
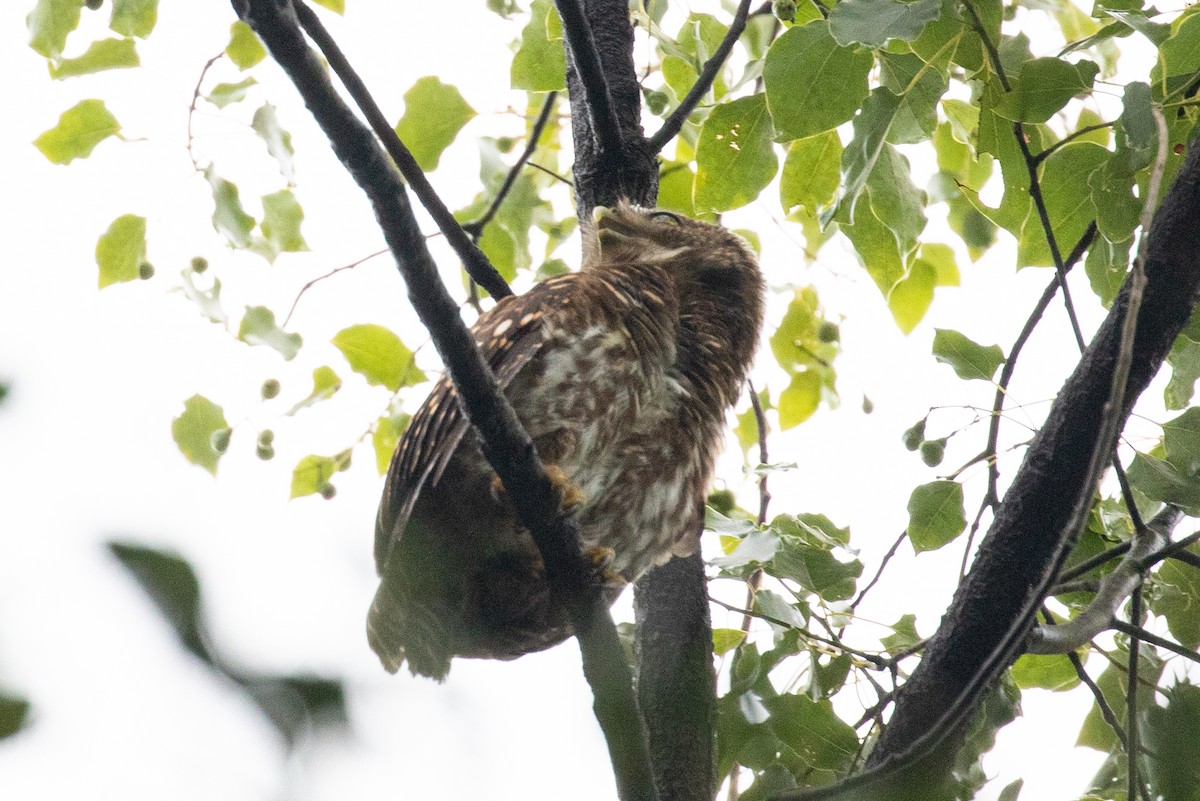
{"x": 622, "y": 374}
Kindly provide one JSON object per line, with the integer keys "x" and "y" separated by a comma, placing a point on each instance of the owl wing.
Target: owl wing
{"x": 508, "y": 336}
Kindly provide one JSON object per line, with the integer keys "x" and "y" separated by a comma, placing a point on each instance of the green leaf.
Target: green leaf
{"x": 935, "y": 515}
{"x": 378, "y": 355}
{"x": 106, "y": 54}
{"x": 1096, "y": 731}
{"x": 725, "y": 640}
{"x": 1051, "y": 672}
{"x": 312, "y": 474}
{"x": 812, "y": 84}
{"x": 970, "y": 360}
{"x": 1068, "y": 198}
{"x": 258, "y": 328}
{"x": 1176, "y": 599}
{"x": 244, "y": 48}
{"x": 800, "y": 399}
{"x": 336, "y": 6}
{"x": 282, "y": 216}
{"x": 49, "y": 24}
{"x": 134, "y": 17}
{"x": 14, "y": 712}
{"x": 1171, "y": 736}
{"x": 1184, "y": 359}
{"x": 735, "y": 159}
{"x": 1105, "y": 265}
{"x": 173, "y": 588}
{"x": 755, "y": 547}
{"x": 209, "y": 302}
{"x": 388, "y": 430}
{"x": 810, "y": 172}
{"x": 278, "y": 140}
{"x": 1178, "y": 58}
{"x": 875, "y": 244}
{"x": 1044, "y": 86}
{"x": 326, "y": 383}
{"x": 229, "y": 218}
{"x": 434, "y": 113}
{"x": 910, "y": 299}
{"x": 540, "y": 64}
{"x": 1181, "y": 441}
{"x": 903, "y": 637}
{"x": 870, "y": 131}
{"x": 80, "y": 128}
{"x": 896, "y": 202}
{"x": 824, "y": 746}
{"x": 121, "y": 250}
{"x": 1160, "y": 481}
{"x": 941, "y": 258}
{"x": 193, "y": 431}
{"x": 873, "y": 22}
{"x": 920, "y": 87}
{"x": 225, "y": 94}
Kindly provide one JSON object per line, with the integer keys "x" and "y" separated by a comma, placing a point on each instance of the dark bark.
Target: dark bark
{"x": 1025, "y": 545}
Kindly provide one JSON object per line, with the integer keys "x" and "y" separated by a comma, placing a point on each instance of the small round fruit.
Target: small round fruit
{"x": 327, "y": 491}
{"x": 722, "y": 500}
{"x": 914, "y": 436}
{"x": 219, "y": 439}
{"x": 264, "y": 452}
{"x": 829, "y": 332}
{"x": 505, "y": 144}
{"x": 145, "y": 271}
{"x": 270, "y": 388}
{"x": 199, "y": 264}
{"x": 94, "y": 5}
{"x": 932, "y": 451}
{"x": 266, "y": 437}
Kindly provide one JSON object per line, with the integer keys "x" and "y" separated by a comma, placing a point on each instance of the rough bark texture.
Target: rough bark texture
{"x": 676, "y": 681}
{"x": 601, "y": 178}
{"x": 1029, "y": 532}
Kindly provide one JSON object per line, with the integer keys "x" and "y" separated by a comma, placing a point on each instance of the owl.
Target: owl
{"x": 622, "y": 374}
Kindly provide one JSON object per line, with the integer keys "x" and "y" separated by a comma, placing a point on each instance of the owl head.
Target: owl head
{"x": 717, "y": 282}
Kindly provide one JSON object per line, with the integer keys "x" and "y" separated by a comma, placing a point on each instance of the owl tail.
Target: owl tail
{"x": 400, "y": 630}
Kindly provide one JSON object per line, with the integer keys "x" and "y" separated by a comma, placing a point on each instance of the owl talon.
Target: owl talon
{"x": 570, "y": 497}
{"x": 602, "y": 559}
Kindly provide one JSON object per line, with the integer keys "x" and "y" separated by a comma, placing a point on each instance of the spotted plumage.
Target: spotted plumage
{"x": 622, "y": 374}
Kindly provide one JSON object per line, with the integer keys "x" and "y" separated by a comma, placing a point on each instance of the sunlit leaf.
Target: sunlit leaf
{"x": 105, "y": 54}
{"x": 121, "y": 250}
{"x": 80, "y": 128}
{"x": 800, "y": 399}
{"x": 134, "y": 17}
{"x": 208, "y": 301}
{"x": 224, "y": 94}
{"x": 1044, "y": 86}
{"x": 244, "y": 48}
{"x": 735, "y": 159}
{"x": 336, "y": 6}
{"x": 810, "y": 172}
{"x": 378, "y": 355}
{"x": 282, "y": 216}
{"x": 540, "y": 64}
{"x": 193, "y": 431}
{"x": 388, "y": 430}
{"x": 725, "y": 640}
{"x": 434, "y": 113}
{"x": 910, "y": 299}
{"x": 1049, "y": 672}
{"x": 278, "y": 140}
{"x": 258, "y": 327}
{"x": 326, "y": 383}
{"x": 904, "y": 635}
{"x": 312, "y": 474}
{"x": 49, "y": 24}
{"x": 229, "y": 218}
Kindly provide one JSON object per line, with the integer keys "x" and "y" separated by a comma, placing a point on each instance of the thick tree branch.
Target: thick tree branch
{"x": 505, "y": 443}
{"x": 474, "y": 262}
{"x": 708, "y": 73}
{"x": 587, "y": 64}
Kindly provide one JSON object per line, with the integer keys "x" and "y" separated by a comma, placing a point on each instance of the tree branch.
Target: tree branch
{"x": 581, "y": 50}
{"x": 708, "y": 73}
{"x": 474, "y": 261}
{"x": 505, "y": 443}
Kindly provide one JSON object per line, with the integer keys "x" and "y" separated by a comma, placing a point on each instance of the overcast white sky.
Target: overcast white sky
{"x": 86, "y": 455}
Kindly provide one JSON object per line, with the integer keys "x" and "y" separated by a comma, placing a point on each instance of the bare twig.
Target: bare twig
{"x": 320, "y": 278}
{"x": 191, "y": 140}
{"x": 582, "y": 48}
{"x": 708, "y": 73}
{"x": 1152, "y": 638}
{"x": 887, "y": 557}
{"x": 1071, "y": 137}
{"x": 505, "y": 443}
{"x": 474, "y": 261}
{"x": 1133, "y": 786}
{"x": 475, "y": 228}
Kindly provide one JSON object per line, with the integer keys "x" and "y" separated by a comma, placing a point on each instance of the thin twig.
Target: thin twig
{"x": 1071, "y": 137}
{"x": 1133, "y": 786}
{"x": 887, "y": 557}
{"x": 1155, "y": 640}
{"x": 320, "y": 278}
{"x": 605, "y": 125}
{"x": 874, "y": 659}
{"x": 192, "y": 109}
{"x": 475, "y": 228}
{"x": 708, "y": 74}
{"x": 474, "y": 261}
